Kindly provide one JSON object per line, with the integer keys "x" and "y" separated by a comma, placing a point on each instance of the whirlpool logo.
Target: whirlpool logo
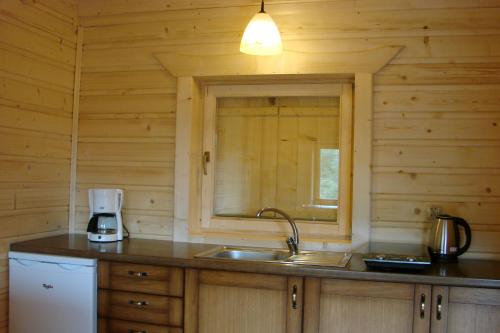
{"x": 47, "y": 286}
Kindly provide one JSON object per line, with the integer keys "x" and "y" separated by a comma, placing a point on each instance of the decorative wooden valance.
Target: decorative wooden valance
{"x": 181, "y": 64}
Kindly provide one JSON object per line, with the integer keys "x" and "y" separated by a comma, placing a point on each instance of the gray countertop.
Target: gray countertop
{"x": 467, "y": 272}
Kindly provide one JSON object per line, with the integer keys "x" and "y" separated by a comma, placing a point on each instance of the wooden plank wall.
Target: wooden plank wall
{"x": 37, "y": 59}
{"x": 437, "y": 105}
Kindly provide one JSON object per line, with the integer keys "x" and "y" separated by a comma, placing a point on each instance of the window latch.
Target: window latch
{"x": 206, "y": 159}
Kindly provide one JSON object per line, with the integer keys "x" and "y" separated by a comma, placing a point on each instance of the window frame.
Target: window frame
{"x": 271, "y": 228}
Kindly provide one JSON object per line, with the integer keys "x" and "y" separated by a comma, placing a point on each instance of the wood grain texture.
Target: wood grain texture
{"x": 122, "y": 326}
{"x": 359, "y": 306}
{"x": 37, "y": 68}
{"x": 138, "y": 307}
{"x": 439, "y": 310}
{"x": 474, "y": 310}
{"x": 312, "y": 290}
{"x": 435, "y": 105}
{"x": 191, "y": 301}
{"x": 288, "y": 63}
{"x": 158, "y": 280}
{"x": 422, "y": 308}
{"x": 247, "y": 303}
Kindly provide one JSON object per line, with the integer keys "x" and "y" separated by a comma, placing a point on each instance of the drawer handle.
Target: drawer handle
{"x": 138, "y": 274}
{"x": 422, "y": 306}
{"x": 138, "y": 303}
{"x": 439, "y": 308}
{"x": 294, "y": 297}
{"x": 134, "y": 331}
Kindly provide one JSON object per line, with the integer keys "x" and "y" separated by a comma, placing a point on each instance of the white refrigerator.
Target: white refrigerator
{"x": 52, "y": 294}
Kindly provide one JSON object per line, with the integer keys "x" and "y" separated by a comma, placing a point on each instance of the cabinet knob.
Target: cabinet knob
{"x": 134, "y": 331}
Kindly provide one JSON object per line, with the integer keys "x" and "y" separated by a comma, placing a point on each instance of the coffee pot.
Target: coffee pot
{"x": 445, "y": 238}
{"x": 105, "y": 217}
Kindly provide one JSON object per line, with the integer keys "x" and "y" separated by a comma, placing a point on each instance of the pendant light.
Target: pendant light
{"x": 261, "y": 36}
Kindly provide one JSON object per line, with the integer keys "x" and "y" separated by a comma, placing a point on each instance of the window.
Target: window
{"x": 283, "y": 146}
{"x": 327, "y": 180}
{"x": 265, "y": 156}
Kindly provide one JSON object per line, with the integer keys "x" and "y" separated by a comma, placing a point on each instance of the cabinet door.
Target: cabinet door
{"x": 465, "y": 310}
{"x": 228, "y": 302}
{"x": 334, "y": 305}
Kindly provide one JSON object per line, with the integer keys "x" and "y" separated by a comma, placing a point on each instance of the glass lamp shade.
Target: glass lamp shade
{"x": 261, "y": 36}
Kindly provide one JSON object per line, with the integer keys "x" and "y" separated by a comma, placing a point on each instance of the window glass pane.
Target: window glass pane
{"x": 267, "y": 155}
{"x": 329, "y": 174}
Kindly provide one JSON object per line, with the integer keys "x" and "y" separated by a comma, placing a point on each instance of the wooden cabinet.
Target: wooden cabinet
{"x": 155, "y": 299}
{"x": 140, "y": 298}
{"x": 335, "y": 305}
{"x": 228, "y": 302}
{"x": 122, "y": 326}
{"x": 465, "y": 310}
{"x": 157, "y": 280}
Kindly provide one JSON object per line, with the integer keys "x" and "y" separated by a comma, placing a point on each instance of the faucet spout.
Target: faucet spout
{"x": 292, "y": 242}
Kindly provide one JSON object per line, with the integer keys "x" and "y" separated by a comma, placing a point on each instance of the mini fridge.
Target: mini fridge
{"x": 52, "y": 294}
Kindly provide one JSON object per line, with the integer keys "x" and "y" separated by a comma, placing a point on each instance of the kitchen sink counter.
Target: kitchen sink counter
{"x": 467, "y": 272}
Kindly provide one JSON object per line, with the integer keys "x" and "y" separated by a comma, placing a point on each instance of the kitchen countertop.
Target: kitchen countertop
{"x": 467, "y": 272}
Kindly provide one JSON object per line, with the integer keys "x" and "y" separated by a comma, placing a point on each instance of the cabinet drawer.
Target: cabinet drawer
{"x": 159, "y": 310}
{"x": 122, "y": 326}
{"x": 158, "y": 280}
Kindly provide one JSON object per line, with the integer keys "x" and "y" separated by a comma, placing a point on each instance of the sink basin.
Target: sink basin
{"x": 308, "y": 258}
{"x": 320, "y": 258}
{"x": 245, "y": 254}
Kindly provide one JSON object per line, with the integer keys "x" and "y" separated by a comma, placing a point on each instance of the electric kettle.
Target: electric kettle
{"x": 445, "y": 238}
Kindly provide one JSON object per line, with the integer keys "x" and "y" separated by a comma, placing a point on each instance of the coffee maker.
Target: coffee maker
{"x": 105, "y": 220}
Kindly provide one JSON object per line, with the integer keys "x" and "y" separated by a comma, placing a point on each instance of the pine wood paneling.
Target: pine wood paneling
{"x": 436, "y": 121}
{"x": 37, "y": 58}
{"x": 358, "y": 306}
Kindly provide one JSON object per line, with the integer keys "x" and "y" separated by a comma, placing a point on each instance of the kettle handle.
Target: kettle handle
{"x": 468, "y": 234}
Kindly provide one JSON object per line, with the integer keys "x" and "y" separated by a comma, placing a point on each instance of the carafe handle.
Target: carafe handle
{"x": 468, "y": 234}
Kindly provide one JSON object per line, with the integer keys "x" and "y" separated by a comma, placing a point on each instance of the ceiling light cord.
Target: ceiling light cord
{"x": 262, "y": 7}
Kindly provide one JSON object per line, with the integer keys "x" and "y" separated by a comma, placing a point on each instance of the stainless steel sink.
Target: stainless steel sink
{"x": 308, "y": 258}
{"x": 321, "y": 258}
{"x": 245, "y": 254}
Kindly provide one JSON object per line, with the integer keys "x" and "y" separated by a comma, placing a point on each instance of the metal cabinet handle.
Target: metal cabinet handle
{"x": 294, "y": 297}
{"x": 138, "y": 303}
{"x": 206, "y": 159}
{"x": 439, "y": 307}
{"x": 422, "y": 306}
{"x": 134, "y": 331}
{"x": 138, "y": 274}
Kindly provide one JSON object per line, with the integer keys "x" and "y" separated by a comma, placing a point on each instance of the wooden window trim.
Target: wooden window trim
{"x": 187, "y": 208}
{"x": 272, "y": 228}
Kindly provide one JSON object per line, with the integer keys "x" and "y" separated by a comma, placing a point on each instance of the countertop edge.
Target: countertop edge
{"x": 264, "y": 268}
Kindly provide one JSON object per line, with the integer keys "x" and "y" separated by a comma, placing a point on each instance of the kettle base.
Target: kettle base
{"x": 438, "y": 257}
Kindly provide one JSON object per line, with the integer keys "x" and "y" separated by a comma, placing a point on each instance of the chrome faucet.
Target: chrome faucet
{"x": 291, "y": 242}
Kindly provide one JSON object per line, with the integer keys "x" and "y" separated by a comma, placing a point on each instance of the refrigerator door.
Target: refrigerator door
{"x": 55, "y": 295}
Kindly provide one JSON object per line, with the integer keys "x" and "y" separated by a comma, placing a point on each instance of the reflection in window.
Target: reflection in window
{"x": 277, "y": 152}
{"x": 329, "y": 174}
